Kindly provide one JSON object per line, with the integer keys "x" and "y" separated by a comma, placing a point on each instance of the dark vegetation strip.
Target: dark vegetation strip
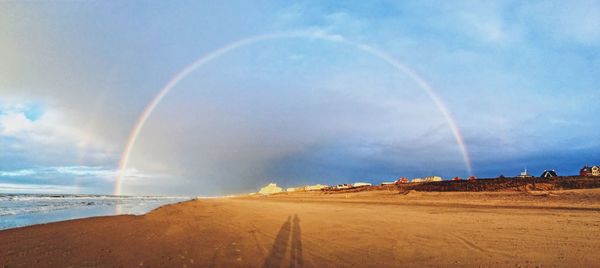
{"x": 489, "y": 185}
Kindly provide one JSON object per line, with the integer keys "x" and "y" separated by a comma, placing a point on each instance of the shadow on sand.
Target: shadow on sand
{"x": 280, "y": 246}
{"x": 296, "y": 255}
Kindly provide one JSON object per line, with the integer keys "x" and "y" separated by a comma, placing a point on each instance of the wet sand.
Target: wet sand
{"x": 367, "y": 229}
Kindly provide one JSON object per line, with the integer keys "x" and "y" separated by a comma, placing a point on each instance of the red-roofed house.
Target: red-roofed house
{"x": 590, "y": 171}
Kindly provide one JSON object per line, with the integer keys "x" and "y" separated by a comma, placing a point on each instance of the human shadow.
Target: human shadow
{"x": 280, "y": 246}
{"x": 296, "y": 259}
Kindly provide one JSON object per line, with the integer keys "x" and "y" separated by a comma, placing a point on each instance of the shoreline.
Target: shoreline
{"x": 27, "y": 209}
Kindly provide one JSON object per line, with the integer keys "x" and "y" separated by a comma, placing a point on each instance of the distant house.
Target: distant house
{"x": 388, "y": 183}
{"x": 344, "y": 186}
{"x": 315, "y": 187}
{"x": 291, "y": 189}
{"x": 402, "y": 180}
{"x": 271, "y": 188}
{"x": 590, "y": 171}
{"x": 456, "y": 179}
{"x": 305, "y": 188}
{"x": 417, "y": 180}
{"x": 433, "y": 178}
{"x": 472, "y": 178}
{"x": 549, "y": 174}
{"x": 584, "y": 171}
{"x": 296, "y": 189}
{"x": 361, "y": 184}
{"x": 524, "y": 174}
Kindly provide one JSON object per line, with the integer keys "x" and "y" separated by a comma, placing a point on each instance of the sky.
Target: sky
{"x": 519, "y": 79}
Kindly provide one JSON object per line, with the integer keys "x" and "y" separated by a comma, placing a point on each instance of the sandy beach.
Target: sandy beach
{"x": 312, "y": 229}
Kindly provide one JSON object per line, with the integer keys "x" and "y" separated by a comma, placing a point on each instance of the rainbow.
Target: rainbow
{"x": 318, "y": 35}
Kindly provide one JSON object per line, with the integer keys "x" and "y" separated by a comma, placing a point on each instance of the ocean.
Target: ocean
{"x": 18, "y": 210}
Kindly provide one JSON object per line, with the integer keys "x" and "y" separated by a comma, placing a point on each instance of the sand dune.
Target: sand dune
{"x": 367, "y": 229}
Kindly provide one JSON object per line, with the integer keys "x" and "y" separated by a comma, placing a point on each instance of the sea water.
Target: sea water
{"x": 18, "y": 210}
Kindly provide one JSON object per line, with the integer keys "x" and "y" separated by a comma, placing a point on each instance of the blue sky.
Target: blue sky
{"x": 519, "y": 78}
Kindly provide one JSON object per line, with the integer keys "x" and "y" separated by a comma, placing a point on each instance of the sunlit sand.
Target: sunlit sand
{"x": 313, "y": 229}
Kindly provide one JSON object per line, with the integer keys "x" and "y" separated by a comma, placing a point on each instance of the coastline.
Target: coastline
{"x": 18, "y": 210}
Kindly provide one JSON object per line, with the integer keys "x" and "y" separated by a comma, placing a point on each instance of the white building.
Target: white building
{"x": 271, "y": 188}
{"x": 433, "y": 178}
{"x": 292, "y": 189}
{"x": 417, "y": 180}
{"x": 315, "y": 187}
{"x": 344, "y": 186}
{"x": 361, "y": 184}
{"x": 524, "y": 174}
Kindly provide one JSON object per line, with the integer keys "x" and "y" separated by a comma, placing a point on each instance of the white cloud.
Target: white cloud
{"x": 36, "y": 188}
{"x": 72, "y": 179}
{"x": 50, "y": 128}
{"x": 12, "y": 124}
{"x": 50, "y": 132}
{"x": 78, "y": 171}
{"x": 17, "y": 173}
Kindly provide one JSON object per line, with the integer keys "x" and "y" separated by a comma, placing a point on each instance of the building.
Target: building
{"x": 590, "y": 171}
{"x": 402, "y": 180}
{"x": 361, "y": 184}
{"x": 388, "y": 183}
{"x": 344, "y": 186}
{"x": 315, "y": 187}
{"x": 271, "y": 188}
{"x": 524, "y": 174}
{"x": 549, "y": 174}
{"x": 433, "y": 178}
{"x": 304, "y": 188}
{"x": 456, "y": 179}
{"x": 584, "y": 171}
{"x": 472, "y": 178}
{"x": 417, "y": 180}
